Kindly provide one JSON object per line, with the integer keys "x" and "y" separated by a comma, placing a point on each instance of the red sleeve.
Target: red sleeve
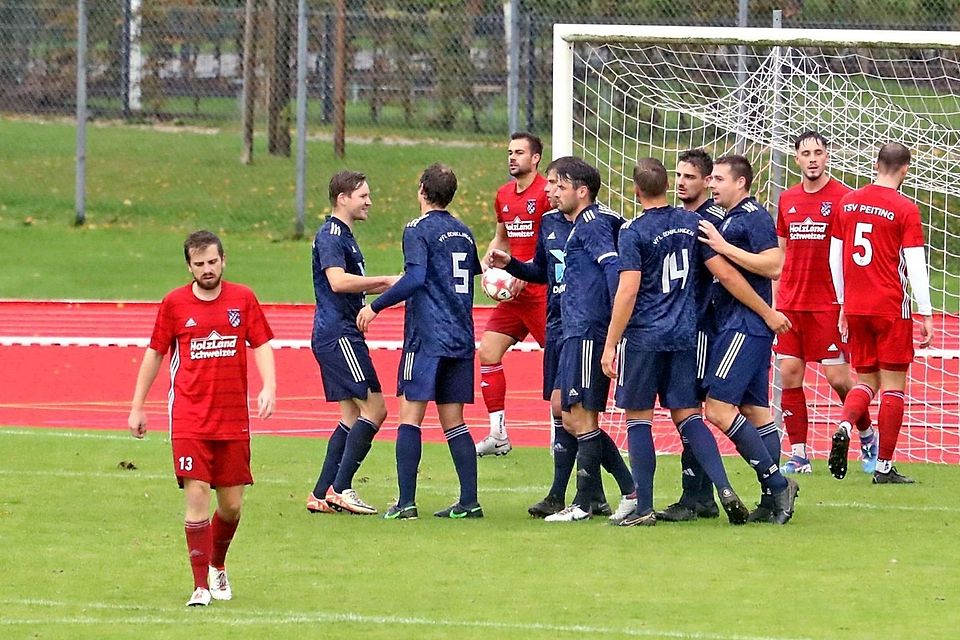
{"x": 912, "y": 227}
{"x": 260, "y": 332}
{"x": 497, "y": 206}
{"x": 163, "y": 335}
{"x": 781, "y": 223}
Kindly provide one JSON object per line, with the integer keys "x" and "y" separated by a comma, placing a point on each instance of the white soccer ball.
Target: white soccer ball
{"x": 496, "y": 283}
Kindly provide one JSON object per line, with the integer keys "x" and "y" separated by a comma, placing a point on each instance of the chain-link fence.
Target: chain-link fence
{"x": 417, "y": 69}
{"x": 411, "y": 65}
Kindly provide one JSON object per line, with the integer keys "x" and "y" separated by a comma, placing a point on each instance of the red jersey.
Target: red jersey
{"x": 520, "y": 213}
{"x": 804, "y": 220}
{"x": 208, "y": 362}
{"x": 876, "y": 223}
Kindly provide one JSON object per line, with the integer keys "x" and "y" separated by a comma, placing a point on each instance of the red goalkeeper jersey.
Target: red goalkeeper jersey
{"x": 876, "y": 223}
{"x": 208, "y": 361}
{"x": 520, "y": 213}
{"x": 804, "y": 220}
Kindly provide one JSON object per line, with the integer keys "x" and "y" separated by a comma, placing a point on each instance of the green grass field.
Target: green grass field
{"x": 93, "y": 551}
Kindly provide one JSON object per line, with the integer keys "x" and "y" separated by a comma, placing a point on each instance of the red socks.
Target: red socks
{"x": 889, "y": 420}
{"x": 793, "y": 404}
{"x": 222, "y": 535}
{"x": 493, "y": 386}
{"x": 198, "y": 546}
{"x": 856, "y": 405}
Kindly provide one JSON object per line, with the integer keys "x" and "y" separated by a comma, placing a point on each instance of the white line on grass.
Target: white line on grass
{"x": 167, "y": 615}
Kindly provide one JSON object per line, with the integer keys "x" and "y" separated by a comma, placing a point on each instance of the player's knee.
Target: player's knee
{"x": 791, "y": 372}
{"x": 489, "y": 353}
{"x": 841, "y": 382}
{"x": 719, "y": 414}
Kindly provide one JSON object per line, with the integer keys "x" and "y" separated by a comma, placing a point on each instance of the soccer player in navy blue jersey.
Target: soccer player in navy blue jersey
{"x": 440, "y": 262}
{"x": 694, "y": 167}
{"x": 547, "y": 266}
{"x": 738, "y": 371}
{"x": 339, "y": 285}
{"x": 654, "y": 323}
{"x": 590, "y": 272}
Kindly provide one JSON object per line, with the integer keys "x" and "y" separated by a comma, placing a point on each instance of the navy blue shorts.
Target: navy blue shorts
{"x": 645, "y": 375}
{"x": 347, "y": 371}
{"x": 739, "y": 369}
{"x": 704, "y": 338}
{"x": 580, "y": 377}
{"x": 422, "y": 378}
{"x": 551, "y": 362}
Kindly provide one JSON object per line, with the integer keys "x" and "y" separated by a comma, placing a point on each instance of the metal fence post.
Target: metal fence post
{"x": 301, "y": 116}
{"x": 80, "y": 204}
{"x": 511, "y": 15}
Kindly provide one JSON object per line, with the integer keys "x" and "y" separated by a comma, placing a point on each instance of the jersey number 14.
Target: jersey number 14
{"x": 673, "y": 271}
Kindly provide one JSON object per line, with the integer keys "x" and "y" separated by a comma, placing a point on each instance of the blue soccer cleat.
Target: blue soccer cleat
{"x": 868, "y": 453}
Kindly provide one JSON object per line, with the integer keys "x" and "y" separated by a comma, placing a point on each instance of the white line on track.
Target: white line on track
{"x": 168, "y": 615}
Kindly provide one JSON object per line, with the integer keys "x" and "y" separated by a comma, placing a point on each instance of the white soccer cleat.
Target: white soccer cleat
{"x": 200, "y": 598}
{"x": 348, "y": 500}
{"x": 491, "y": 446}
{"x": 573, "y": 513}
{"x": 219, "y": 585}
{"x": 628, "y": 505}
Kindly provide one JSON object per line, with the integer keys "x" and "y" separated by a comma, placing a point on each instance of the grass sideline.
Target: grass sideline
{"x": 857, "y": 560}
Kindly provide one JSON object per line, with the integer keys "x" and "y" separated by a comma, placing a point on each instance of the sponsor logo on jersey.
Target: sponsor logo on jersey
{"x": 213, "y": 346}
{"x": 190, "y": 323}
{"x": 826, "y": 208}
{"x": 808, "y": 230}
{"x": 233, "y": 315}
{"x": 506, "y": 209}
{"x": 531, "y": 207}
{"x": 559, "y": 266}
{"x": 792, "y": 210}
{"x": 519, "y": 228}
{"x": 552, "y": 236}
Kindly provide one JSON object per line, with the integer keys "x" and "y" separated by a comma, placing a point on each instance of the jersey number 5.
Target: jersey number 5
{"x": 461, "y": 276}
{"x": 673, "y": 271}
{"x": 861, "y": 241}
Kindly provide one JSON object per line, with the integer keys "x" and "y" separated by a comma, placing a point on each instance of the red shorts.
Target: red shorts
{"x": 517, "y": 318}
{"x": 219, "y": 463}
{"x": 813, "y": 337}
{"x": 880, "y": 343}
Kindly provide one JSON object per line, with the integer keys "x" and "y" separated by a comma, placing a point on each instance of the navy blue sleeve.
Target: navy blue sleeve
{"x": 328, "y": 250}
{"x": 706, "y": 251}
{"x": 611, "y": 270}
{"x": 598, "y": 239}
{"x": 630, "y": 251}
{"x": 763, "y": 233}
{"x": 527, "y": 271}
{"x": 415, "y": 249}
{"x": 413, "y": 278}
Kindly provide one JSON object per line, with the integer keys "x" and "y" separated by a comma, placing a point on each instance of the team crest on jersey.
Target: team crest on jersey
{"x": 531, "y": 207}
{"x": 826, "y": 208}
{"x": 233, "y": 315}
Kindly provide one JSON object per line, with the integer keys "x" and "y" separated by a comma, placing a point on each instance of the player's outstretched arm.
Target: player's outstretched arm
{"x": 266, "y": 366}
{"x": 768, "y": 263}
{"x": 916, "y": 260}
{"x": 623, "y": 304}
{"x": 149, "y": 367}
{"x": 739, "y": 288}
{"x": 414, "y": 278}
{"x": 343, "y": 282}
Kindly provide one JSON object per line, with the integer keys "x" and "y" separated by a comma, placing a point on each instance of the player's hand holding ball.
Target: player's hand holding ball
{"x": 498, "y": 284}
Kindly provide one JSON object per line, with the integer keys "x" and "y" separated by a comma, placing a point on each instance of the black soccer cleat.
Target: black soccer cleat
{"x": 601, "y": 508}
{"x": 546, "y": 507}
{"x": 784, "y": 502}
{"x": 736, "y": 511}
{"x": 891, "y": 477}
{"x": 458, "y": 511}
{"x": 678, "y": 512}
{"x": 764, "y": 511}
{"x": 396, "y": 512}
{"x": 708, "y": 509}
{"x": 838, "y": 454}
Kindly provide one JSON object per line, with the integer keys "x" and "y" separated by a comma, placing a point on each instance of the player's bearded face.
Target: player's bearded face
{"x": 690, "y": 184}
{"x": 206, "y": 265}
{"x": 519, "y": 158}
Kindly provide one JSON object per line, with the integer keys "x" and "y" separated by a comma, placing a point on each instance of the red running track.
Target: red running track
{"x": 48, "y": 379}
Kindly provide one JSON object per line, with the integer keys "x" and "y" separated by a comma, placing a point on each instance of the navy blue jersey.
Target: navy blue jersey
{"x": 548, "y": 264}
{"x": 750, "y": 227}
{"x": 662, "y": 245}
{"x": 438, "y": 319}
{"x": 335, "y": 315}
{"x": 712, "y": 213}
{"x": 585, "y": 302}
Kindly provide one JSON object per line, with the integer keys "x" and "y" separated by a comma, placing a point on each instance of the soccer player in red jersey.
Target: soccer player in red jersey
{"x": 877, "y": 238}
{"x": 206, "y": 326}
{"x": 805, "y": 295}
{"x": 519, "y": 205}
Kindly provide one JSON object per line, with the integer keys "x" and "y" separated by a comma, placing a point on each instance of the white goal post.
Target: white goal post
{"x": 626, "y": 91}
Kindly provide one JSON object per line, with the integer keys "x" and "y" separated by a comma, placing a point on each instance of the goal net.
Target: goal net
{"x": 624, "y": 92}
